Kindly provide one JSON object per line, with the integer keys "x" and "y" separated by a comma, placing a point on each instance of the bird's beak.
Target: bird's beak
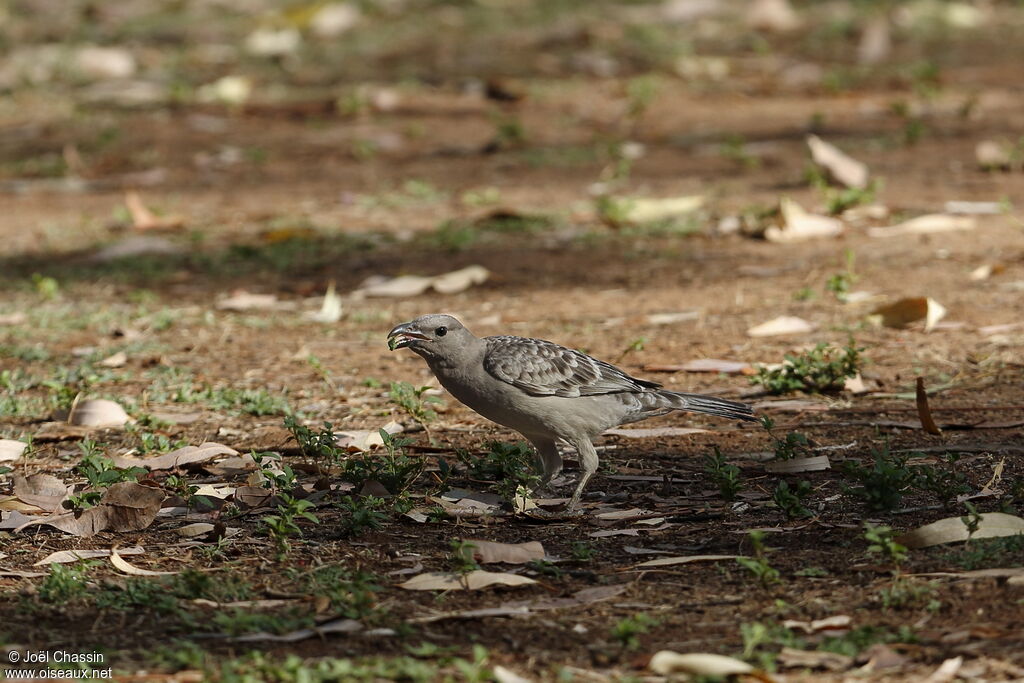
{"x": 403, "y": 335}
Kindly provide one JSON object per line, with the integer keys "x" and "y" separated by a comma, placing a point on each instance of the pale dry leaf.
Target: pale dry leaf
{"x": 399, "y": 287}
{"x": 12, "y": 519}
{"x": 474, "y": 580}
{"x": 331, "y": 309}
{"x": 11, "y": 449}
{"x": 68, "y": 556}
{"x": 98, "y": 62}
{"x": 986, "y": 270}
{"x": 125, "y": 506}
{"x": 992, "y": 154}
{"x": 178, "y": 457}
{"x": 246, "y": 301}
{"x": 122, "y": 565}
{"x": 781, "y": 326}
{"x": 840, "y": 167}
{"x": 271, "y": 41}
{"x": 953, "y": 529}
{"x": 334, "y": 19}
{"x": 835, "y": 623}
{"x": 684, "y": 559}
{"x": 968, "y": 208}
{"x": 648, "y": 210}
{"x": 362, "y": 440}
{"x": 815, "y": 463}
{"x": 12, "y": 504}
{"x": 605, "y": 533}
{"x": 98, "y": 413}
{"x": 44, "y": 491}
{"x": 775, "y": 16}
{"x": 144, "y": 219}
{"x": 792, "y": 658}
{"x": 652, "y": 432}
{"x": 116, "y": 360}
{"x": 926, "y": 225}
{"x": 460, "y": 280}
{"x": 336, "y": 626}
{"x": 875, "y": 41}
{"x": 906, "y": 311}
{"x": 503, "y": 675}
{"x": 671, "y": 318}
{"x": 136, "y": 245}
{"x": 631, "y": 513}
{"x": 16, "y": 318}
{"x": 947, "y": 671}
{"x": 231, "y": 89}
{"x": 667, "y": 662}
{"x": 487, "y": 552}
{"x": 799, "y": 225}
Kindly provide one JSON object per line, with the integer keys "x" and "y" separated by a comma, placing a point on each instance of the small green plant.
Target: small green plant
{"x": 352, "y": 593}
{"x": 812, "y": 572}
{"x": 150, "y": 442}
{"x": 316, "y": 445}
{"x": 725, "y": 476}
{"x": 395, "y": 470}
{"x": 758, "y": 564}
{"x": 945, "y": 483}
{"x": 793, "y": 445}
{"x": 414, "y": 401}
{"x": 804, "y": 294}
{"x": 734, "y": 148}
{"x": 822, "y": 369}
{"x": 509, "y": 132}
{"x": 100, "y": 472}
{"x": 987, "y": 552}
{"x": 65, "y": 582}
{"x": 462, "y": 556}
{"x": 581, "y": 551}
{"x": 510, "y": 466}
{"x": 882, "y": 485}
{"x": 627, "y": 631}
{"x": 882, "y": 541}
{"x": 284, "y": 524}
{"x": 276, "y": 475}
{"x": 364, "y": 514}
{"x": 971, "y": 520}
{"x": 47, "y": 287}
{"x": 791, "y": 500}
{"x": 633, "y": 346}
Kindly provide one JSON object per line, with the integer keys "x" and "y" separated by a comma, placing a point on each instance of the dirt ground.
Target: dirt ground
{"x": 296, "y": 190}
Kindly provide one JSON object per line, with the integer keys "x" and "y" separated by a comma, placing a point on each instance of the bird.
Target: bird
{"x": 543, "y": 390}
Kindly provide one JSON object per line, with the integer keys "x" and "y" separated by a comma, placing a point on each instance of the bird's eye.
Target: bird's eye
{"x": 441, "y": 331}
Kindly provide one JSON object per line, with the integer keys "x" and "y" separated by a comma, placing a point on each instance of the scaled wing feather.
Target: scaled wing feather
{"x": 542, "y": 368}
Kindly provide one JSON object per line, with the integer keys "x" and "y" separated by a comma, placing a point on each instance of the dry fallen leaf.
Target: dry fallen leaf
{"x": 125, "y": 506}
{"x": 779, "y": 326}
{"x": 924, "y": 412}
{"x": 840, "y": 167}
{"x": 330, "y": 310}
{"x": 414, "y": 285}
{"x": 67, "y": 556}
{"x": 144, "y": 219}
{"x": 776, "y": 16}
{"x": 905, "y": 311}
{"x": 116, "y": 360}
{"x": 362, "y": 440}
{"x": 474, "y": 580}
{"x": 947, "y": 671}
{"x": 336, "y": 626}
{"x": 97, "y": 412}
{"x": 460, "y": 280}
{"x": 925, "y": 225}
{"x": 815, "y": 463}
{"x": 798, "y": 225}
{"x": 503, "y": 675}
{"x": 246, "y": 301}
{"x": 832, "y": 625}
{"x": 668, "y": 662}
{"x": 126, "y": 567}
{"x": 488, "y": 552}
{"x": 684, "y": 559}
{"x": 177, "y": 458}
{"x": 11, "y": 449}
{"x": 648, "y": 210}
{"x": 13, "y": 519}
{"x": 953, "y": 529}
{"x": 792, "y": 658}
{"x": 44, "y": 491}
{"x": 991, "y": 154}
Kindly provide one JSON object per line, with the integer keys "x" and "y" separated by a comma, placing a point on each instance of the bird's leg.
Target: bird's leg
{"x": 588, "y": 463}
{"x": 548, "y": 456}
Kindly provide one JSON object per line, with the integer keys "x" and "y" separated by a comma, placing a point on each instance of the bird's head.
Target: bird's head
{"x": 432, "y": 336}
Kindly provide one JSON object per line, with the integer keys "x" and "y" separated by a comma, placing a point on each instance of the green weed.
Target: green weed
{"x": 822, "y": 369}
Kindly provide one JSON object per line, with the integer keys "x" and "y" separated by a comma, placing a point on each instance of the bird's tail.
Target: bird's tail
{"x": 699, "y": 403}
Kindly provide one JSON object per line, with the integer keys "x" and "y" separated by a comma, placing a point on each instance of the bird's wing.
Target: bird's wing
{"x": 542, "y": 368}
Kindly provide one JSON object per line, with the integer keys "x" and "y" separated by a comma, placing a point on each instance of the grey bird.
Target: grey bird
{"x": 543, "y": 390}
